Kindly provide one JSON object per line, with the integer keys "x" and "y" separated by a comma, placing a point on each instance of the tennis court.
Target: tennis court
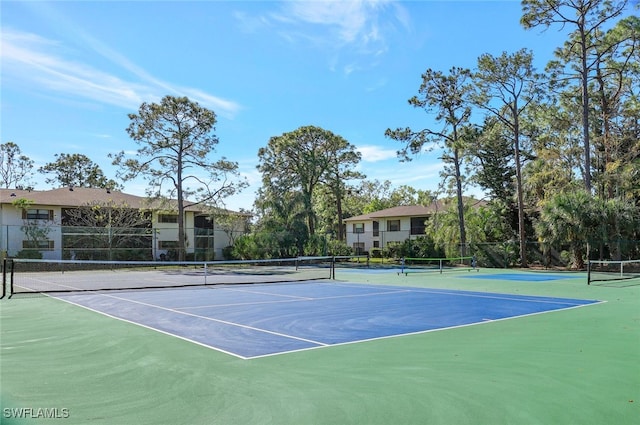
{"x": 258, "y": 320}
{"x": 366, "y": 348}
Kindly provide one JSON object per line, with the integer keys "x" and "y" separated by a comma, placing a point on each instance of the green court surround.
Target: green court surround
{"x": 576, "y": 366}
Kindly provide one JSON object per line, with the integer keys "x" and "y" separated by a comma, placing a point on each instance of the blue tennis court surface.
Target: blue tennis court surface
{"x": 251, "y": 321}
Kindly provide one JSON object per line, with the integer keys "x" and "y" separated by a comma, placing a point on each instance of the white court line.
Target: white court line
{"x": 215, "y": 320}
{"x": 389, "y": 290}
{"x": 241, "y": 304}
{"x": 532, "y": 298}
{"x": 482, "y": 322}
{"x": 211, "y": 347}
{"x": 297, "y": 299}
{"x": 491, "y": 295}
{"x": 229, "y": 288}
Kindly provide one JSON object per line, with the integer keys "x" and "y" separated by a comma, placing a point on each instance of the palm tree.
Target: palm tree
{"x": 568, "y": 218}
{"x": 618, "y": 219}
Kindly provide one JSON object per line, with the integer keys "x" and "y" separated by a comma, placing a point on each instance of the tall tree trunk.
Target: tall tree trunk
{"x": 463, "y": 232}
{"x": 584, "y": 74}
{"x": 181, "y": 231}
{"x": 522, "y": 234}
{"x": 339, "y": 210}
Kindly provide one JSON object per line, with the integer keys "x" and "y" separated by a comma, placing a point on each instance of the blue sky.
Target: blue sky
{"x": 72, "y": 71}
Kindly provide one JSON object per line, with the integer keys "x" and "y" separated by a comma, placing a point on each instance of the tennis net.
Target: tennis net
{"x": 43, "y": 276}
{"x": 608, "y": 271}
{"x": 351, "y": 261}
{"x": 440, "y": 265}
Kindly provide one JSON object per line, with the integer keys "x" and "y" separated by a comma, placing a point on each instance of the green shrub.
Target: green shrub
{"x": 29, "y": 253}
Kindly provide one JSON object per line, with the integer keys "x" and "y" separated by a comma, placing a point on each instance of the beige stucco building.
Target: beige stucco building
{"x": 24, "y": 213}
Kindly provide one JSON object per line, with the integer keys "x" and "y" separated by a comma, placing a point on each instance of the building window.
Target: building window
{"x": 376, "y": 244}
{"x": 205, "y": 242}
{"x": 37, "y": 214}
{"x": 393, "y": 225}
{"x": 202, "y": 222}
{"x": 376, "y": 228}
{"x": 39, "y": 245}
{"x": 358, "y": 227}
{"x": 418, "y": 225}
{"x": 168, "y": 218}
{"x": 358, "y": 248}
{"x": 167, "y": 244}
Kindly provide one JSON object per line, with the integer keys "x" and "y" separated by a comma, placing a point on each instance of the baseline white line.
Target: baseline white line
{"x": 491, "y": 295}
{"x": 425, "y": 331}
{"x": 322, "y": 345}
{"x": 532, "y": 298}
{"x": 149, "y": 327}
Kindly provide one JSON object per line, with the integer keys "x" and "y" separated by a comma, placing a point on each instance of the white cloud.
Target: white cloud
{"x": 44, "y": 64}
{"x": 419, "y": 174}
{"x": 251, "y": 24}
{"x": 226, "y": 108}
{"x": 350, "y": 20}
{"x": 379, "y": 83}
{"x": 27, "y": 58}
{"x": 102, "y": 136}
{"x": 358, "y": 27}
{"x": 247, "y": 169}
{"x": 371, "y": 153}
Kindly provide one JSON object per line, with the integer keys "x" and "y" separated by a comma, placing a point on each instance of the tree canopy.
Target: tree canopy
{"x": 446, "y": 95}
{"x": 579, "y": 57}
{"x": 15, "y": 168}
{"x": 556, "y": 153}
{"x": 303, "y": 159}
{"x": 76, "y": 170}
{"x": 175, "y": 141}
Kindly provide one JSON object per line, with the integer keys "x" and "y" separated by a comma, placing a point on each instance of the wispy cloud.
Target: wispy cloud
{"x": 358, "y": 27}
{"x": 350, "y": 22}
{"x": 48, "y": 65}
{"x": 227, "y": 108}
{"x": 417, "y": 174}
{"x": 371, "y": 153}
{"x": 31, "y": 59}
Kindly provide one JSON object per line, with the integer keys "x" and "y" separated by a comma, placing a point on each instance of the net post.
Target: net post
{"x": 588, "y": 272}
{"x": 4, "y": 278}
{"x": 205, "y": 272}
{"x": 332, "y": 272}
{"x": 13, "y": 267}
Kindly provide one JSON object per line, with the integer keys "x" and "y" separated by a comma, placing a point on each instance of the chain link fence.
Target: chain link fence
{"x": 145, "y": 244}
{"x": 104, "y": 243}
{"x": 397, "y": 244}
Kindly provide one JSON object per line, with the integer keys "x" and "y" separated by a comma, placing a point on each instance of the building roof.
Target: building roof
{"x": 78, "y": 196}
{"x": 69, "y": 197}
{"x": 411, "y": 210}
